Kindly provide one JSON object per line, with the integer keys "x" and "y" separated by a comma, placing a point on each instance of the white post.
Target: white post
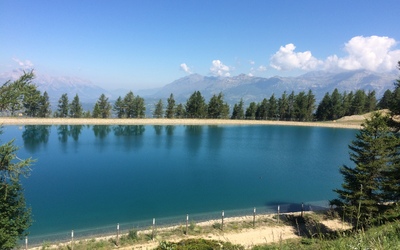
{"x": 117, "y": 234}
{"x": 279, "y": 208}
{"x": 72, "y": 239}
{"x": 26, "y": 243}
{"x": 254, "y": 217}
{"x": 187, "y": 223}
{"x": 154, "y": 228}
{"x": 222, "y": 225}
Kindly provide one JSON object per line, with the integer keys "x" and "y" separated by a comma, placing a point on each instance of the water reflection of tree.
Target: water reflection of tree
{"x": 193, "y": 137}
{"x": 215, "y": 138}
{"x": 124, "y": 130}
{"x": 63, "y": 132}
{"x": 75, "y": 131}
{"x": 130, "y": 136}
{"x": 169, "y": 129}
{"x": 158, "y": 129}
{"x": 34, "y": 136}
{"x": 101, "y": 131}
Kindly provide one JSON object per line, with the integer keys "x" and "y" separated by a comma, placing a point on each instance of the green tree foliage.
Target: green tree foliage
{"x": 323, "y": 112}
{"x": 395, "y": 101}
{"x": 370, "y": 102}
{"x": 96, "y": 111}
{"x": 375, "y": 153}
{"x": 159, "y": 109}
{"x": 251, "y": 111}
{"x": 238, "y": 111}
{"x": 180, "y": 111}
{"x": 335, "y": 110}
{"x": 170, "y": 111}
{"x": 131, "y": 106}
{"x": 217, "y": 108}
{"x": 119, "y": 107}
{"x": 31, "y": 97}
{"x": 283, "y": 106}
{"x": 75, "y": 108}
{"x": 262, "y": 110}
{"x": 44, "y": 106}
{"x": 196, "y": 106}
{"x": 384, "y": 102}
{"x": 63, "y": 106}
{"x": 14, "y": 214}
{"x": 300, "y": 107}
{"x": 272, "y": 107}
{"x": 102, "y": 107}
{"x": 140, "y": 108}
{"x": 12, "y": 94}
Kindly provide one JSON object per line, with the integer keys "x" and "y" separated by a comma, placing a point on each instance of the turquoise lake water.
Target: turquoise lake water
{"x": 96, "y": 176}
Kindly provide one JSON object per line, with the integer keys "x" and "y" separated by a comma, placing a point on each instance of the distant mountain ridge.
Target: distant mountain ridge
{"x": 248, "y": 88}
{"x": 256, "y": 88}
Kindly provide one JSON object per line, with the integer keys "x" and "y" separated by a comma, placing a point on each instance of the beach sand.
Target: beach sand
{"x": 247, "y": 237}
{"x": 351, "y": 124}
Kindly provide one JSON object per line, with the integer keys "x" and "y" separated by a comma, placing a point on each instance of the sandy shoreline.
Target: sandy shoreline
{"x": 147, "y": 121}
{"x": 247, "y": 237}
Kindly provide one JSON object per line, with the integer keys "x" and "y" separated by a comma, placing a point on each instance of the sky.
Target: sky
{"x": 142, "y": 44}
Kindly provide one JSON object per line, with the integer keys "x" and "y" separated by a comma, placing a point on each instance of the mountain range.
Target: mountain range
{"x": 248, "y": 88}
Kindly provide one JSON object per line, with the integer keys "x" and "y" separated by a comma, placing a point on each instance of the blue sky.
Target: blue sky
{"x": 144, "y": 44}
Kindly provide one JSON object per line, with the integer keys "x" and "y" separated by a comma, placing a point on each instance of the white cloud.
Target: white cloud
{"x": 286, "y": 59}
{"x": 372, "y": 53}
{"x": 186, "y": 68}
{"x": 24, "y": 64}
{"x": 219, "y": 69}
{"x": 262, "y": 68}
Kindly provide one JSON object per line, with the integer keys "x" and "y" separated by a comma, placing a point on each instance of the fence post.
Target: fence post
{"x": 279, "y": 208}
{"x": 26, "y": 242}
{"x": 222, "y": 225}
{"x": 117, "y": 234}
{"x": 187, "y": 224}
{"x": 254, "y": 217}
{"x": 72, "y": 240}
{"x": 154, "y": 228}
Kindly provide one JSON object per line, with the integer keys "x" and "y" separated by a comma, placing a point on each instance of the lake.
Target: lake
{"x": 93, "y": 177}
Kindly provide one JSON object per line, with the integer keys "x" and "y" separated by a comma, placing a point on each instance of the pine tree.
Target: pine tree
{"x": 103, "y": 106}
{"x": 373, "y": 153}
{"x": 324, "y": 108}
{"x": 217, "y": 109}
{"x": 283, "y": 106}
{"x": 14, "y": 214}
{"x": 63, "y": 106}
{"x": 75, "y": 109}
{"x": 180, "y": 111}
{"x": 119, "y": 107}
{"x": 196, "y": 106}
{"x": 238, "y": 111}
{"x": 251, "y": 111}
{"x": 384, "y": 102}
{"x": 44, "y": 106}
{"x": 12, "y": 93}
{"x": 262, "y": 110}
{"x": 272, "y": 107}
{"x": 129, "y": 105}
{"x": 159, "y": 109}
{"x": 170, "y": 111}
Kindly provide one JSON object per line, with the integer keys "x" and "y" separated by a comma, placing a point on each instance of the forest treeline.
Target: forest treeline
{"x": 22, "y": 97}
